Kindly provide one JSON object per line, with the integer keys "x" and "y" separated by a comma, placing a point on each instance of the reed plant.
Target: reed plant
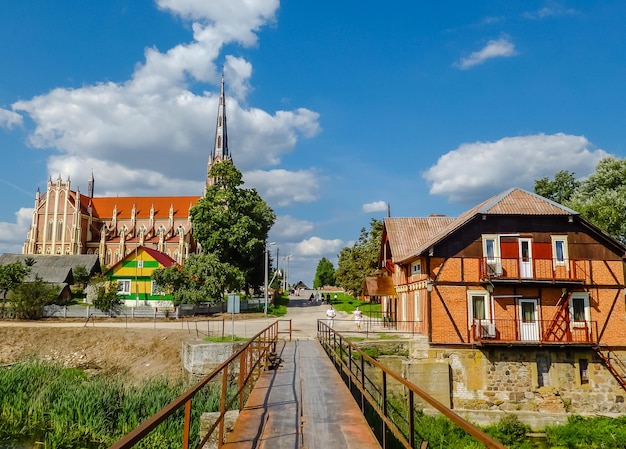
{"x": 66, "y": 408}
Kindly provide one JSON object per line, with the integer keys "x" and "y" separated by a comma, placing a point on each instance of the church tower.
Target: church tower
{"x": 220, "y": 147}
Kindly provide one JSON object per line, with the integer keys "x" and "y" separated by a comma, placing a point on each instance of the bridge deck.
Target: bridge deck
{"x": 303, "y": 404}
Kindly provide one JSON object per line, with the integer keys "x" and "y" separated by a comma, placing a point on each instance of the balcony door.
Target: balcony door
{"x": 525, "y": 258}
{"x": 528, "y": 320}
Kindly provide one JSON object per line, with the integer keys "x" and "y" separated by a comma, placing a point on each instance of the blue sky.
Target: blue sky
{"x": 335, "y": 109}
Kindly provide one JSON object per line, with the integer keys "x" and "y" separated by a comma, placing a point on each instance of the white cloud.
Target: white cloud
{"x": 151, "y": 133}
{"x": 376, "y": 206}
{"x": 477, "y": 170}
{"x": 13, "y": 235}
{"x": 316, "y": 246}
{"x": 551, "y": 11}
{"x": 288, "y": 227}
{"x": 282, "y": 188}
{"x": 500, "y": 48}
{"x": 9, "y": 119}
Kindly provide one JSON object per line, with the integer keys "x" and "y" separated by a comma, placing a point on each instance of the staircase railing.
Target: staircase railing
{"x": 614, "y": 364}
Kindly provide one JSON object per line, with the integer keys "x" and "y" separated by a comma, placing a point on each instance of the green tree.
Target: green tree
{"x": 106, "y": 297}
{"x": 28, "y": 299}
{"x": 600, "y": 198}
{"x": 560, "y": 189}
{"x": 232, "y": 223}
{"x": 361, "y": 260}
{"x": 325, "y": 273}
{"x": 203, "y": 278}
{"x": 81, "y": 276}
{"x": 11, "y": 275}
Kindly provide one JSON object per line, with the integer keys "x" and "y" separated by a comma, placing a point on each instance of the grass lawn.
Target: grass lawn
{"x": 347, "y": 303}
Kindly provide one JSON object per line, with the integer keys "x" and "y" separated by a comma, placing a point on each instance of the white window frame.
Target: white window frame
{"x": 563, "y": 240}
{"x": 155, "y": 290}
{"x": 470, "y": 305}
{"x": 416, "y": 268}
{"x": 124, "y": 286}
{"x": 587, "y": 310}
{"x": 495, "y": 257}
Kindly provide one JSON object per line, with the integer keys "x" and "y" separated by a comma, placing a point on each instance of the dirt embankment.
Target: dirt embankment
{"x": 137, "y": 353}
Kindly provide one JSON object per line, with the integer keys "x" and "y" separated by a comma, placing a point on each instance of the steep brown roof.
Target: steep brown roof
{"x": 406, "y": 234}
{"x": 511, "y": 202}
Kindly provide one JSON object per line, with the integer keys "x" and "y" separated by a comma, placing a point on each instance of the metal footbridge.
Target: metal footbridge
{"x": 306, "y": 394}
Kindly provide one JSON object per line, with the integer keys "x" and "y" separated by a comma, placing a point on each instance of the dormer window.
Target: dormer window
{"x": 416, "y": 267}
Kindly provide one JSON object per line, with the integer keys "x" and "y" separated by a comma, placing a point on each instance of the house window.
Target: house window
{"x": 140, "y": 264}
{"x": 579, "y": 309}
{"x": 583, "y": 367}
{"x": 123, "y": 287}
{"x": 491, "y": 249}
{"x": 416, "y": 268}
{"x": 559, "y": 249}
{"x": 479, "y": 308}
{"x": 156, "y": 290}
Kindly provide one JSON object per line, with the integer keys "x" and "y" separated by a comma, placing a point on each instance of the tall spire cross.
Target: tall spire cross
{"x": 220, "y": 148}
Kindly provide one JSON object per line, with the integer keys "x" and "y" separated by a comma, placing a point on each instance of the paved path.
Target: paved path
{"x": 302, "y": 404}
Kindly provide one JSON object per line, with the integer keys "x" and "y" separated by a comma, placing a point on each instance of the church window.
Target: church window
{"x": 58, "y": 251}
{"x": 48, "y": 250}
{"x": 39, "y": 250}
{"x": 117, "y": 257}
{"x": 107, "y": 260}
{"x": 60, "y": 230}
{"x": 49, "y": 230}
{"x": 67, "y": 250}
{"x": 219, "y": 141}
{"x": 176, "y": 256}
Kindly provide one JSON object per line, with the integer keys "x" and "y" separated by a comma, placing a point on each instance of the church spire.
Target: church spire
{"x": 220, "y": 148}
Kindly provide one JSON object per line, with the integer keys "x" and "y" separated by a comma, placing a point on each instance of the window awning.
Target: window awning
{"x": 379, "y": 286}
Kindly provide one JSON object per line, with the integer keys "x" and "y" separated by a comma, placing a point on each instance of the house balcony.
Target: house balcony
{"x": 544, "y": 270}
{"x": 538, "y": 332}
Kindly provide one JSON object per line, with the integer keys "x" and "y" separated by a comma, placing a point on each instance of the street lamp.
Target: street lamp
{"x": 266, "y": 255}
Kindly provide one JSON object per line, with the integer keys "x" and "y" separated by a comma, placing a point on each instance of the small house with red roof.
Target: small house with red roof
{"x": 134, "y": 277}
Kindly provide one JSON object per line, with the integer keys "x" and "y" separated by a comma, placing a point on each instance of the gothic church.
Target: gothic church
{"x": 66, "y": 222}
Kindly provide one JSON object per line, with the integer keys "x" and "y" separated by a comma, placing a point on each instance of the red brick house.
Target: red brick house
{"x": 517, "y": 276}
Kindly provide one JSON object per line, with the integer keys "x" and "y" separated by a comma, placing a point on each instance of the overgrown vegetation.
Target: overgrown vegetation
{"x": 28, "y": 299}
{"x": 66, "y": 408}
{"x": 589, "y": 432}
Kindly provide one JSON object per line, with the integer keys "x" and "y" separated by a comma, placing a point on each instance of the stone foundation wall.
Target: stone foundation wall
{"x": 554, "y": 380}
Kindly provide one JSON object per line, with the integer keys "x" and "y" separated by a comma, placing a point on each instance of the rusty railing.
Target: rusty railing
{"x": 392, "y": 398}
{"x": 235, "y": 389}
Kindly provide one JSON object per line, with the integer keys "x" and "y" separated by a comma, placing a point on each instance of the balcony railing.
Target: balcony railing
{"x": 535, "y": 269}
{"x": 538, "y": 331}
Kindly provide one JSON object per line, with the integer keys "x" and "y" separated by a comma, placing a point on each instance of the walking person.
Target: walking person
{"x": 330, "y": 316}
{"x": 358, "y": 315}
